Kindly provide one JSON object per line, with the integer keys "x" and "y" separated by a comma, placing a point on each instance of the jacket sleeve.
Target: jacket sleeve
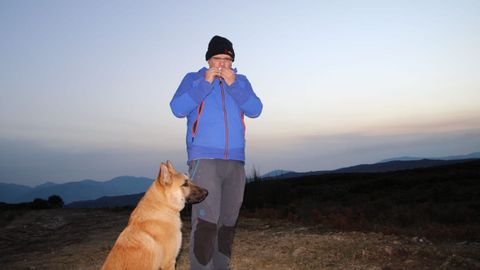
{"x": 242, "y": 92}
{"x": 189, "y": 95}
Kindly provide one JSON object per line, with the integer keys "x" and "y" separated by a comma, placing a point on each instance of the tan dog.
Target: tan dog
{"x": 153, "y": 237}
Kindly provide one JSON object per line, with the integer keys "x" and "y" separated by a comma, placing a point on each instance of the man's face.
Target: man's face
{"x": 220, "y": 61}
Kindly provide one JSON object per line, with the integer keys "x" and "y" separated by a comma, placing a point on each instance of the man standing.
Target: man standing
{"x": 215, "y": 100}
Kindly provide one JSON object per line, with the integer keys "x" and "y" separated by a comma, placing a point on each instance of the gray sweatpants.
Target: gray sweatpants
{"x": 214, "y": 219}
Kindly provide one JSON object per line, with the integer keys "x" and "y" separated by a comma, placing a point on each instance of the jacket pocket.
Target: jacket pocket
{"x": 242, "y": 117}
{"x": 195, "y": 124}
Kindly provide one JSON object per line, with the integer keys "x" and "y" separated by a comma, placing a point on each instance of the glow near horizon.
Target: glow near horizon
{"x": 341, "y": 83}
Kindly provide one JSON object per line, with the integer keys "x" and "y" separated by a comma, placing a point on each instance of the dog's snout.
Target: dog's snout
{"x": 204, "y": 194}
{"x": 197, "y": 194}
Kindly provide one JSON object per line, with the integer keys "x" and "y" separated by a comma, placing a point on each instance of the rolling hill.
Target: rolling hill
{"x": 75, "y": 191}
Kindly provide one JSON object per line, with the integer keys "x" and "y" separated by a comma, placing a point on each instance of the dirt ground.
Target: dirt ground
{"x": 81, "y": 239}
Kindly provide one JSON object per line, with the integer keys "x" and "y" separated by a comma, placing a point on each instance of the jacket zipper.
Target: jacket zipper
{"x": 225, "y": 119}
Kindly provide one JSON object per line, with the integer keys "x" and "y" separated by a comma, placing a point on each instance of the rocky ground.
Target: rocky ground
{"x": 81, "y": 239}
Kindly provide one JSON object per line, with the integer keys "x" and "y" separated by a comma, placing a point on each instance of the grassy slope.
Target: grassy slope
{"x": 440, "y": 201}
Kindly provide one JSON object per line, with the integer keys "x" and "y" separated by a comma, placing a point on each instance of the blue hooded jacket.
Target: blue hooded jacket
{"x": 215, "y": 112}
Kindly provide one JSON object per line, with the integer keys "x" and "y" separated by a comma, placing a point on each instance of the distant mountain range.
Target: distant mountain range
{"x": 75, "y": 191}
{"x": 108, "y": 202}
{"x": 475, "y": 155}
{"x": 132, "y": 200}
{"x": 127, "y": 190}
{"x": 387, "y": 165}
{"x": 276, "y": 173}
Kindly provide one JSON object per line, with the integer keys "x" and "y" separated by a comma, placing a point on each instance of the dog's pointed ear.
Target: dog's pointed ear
{"x": 163, "y": 174}
{"x": 170, "y": 166}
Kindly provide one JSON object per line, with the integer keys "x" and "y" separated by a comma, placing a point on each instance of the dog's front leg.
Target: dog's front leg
{"x": 169, "y": 265}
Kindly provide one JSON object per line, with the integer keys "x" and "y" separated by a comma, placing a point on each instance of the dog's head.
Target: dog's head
{"x": 178, "y": 188}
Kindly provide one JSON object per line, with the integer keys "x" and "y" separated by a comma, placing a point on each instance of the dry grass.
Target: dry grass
{"x": 81, "y": 239}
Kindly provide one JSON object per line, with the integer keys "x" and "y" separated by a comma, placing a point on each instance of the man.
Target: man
{"x": 215, "y": 100}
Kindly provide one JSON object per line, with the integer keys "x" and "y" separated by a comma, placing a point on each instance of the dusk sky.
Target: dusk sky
{"x": 85, "y": 85}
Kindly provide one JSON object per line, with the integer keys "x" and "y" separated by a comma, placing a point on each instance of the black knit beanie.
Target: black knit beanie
{"x": 219, "y": 45}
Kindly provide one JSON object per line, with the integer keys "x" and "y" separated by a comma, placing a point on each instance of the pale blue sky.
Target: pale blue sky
{"x": 85, "y": 86}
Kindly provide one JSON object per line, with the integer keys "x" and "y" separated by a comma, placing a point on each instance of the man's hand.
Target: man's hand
{"x": 227, "y": 75}
{"x": 211, "y": 73}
